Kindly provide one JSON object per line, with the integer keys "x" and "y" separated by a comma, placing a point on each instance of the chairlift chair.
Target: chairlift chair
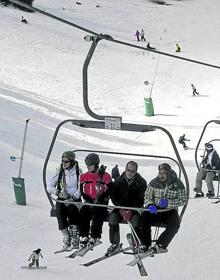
{"x": 198, "y": 164}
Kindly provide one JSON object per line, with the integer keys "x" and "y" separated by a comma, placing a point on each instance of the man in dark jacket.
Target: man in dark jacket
{"x": 127, "y": 190}
{"x": 182, "y": 140}
{"x": 209, "y": 165}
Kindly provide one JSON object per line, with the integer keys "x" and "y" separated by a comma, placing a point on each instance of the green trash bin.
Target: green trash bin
{"x": 19, "y": 189}
{"x": 149, "y": 108}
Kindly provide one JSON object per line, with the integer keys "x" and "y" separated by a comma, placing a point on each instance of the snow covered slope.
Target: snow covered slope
{"x": 41, "y": 79}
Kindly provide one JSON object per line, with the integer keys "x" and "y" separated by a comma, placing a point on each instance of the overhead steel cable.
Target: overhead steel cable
{"x": 109, "y": 38}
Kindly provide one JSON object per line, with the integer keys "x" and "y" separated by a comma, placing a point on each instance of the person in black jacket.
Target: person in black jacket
{"x": 127, "y": 190}
{"x": 209, "y": 165}
{"x": 182, "y": 140}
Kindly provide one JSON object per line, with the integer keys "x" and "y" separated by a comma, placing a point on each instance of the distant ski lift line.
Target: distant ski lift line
{"x": 109, "y": 38}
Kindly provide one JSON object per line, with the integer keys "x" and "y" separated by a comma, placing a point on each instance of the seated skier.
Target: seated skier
{"x": 94, "y": 188}
{"x": 65, "y": 186}
{"x": 209, "y": 165}
{"x": 165, "y": 191}
{"x": 149, "y": 47}
{"x": 127, "y": 190}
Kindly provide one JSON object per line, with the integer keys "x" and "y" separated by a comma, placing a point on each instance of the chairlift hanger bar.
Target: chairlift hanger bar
{"x": 109, "y": 38}
{"x": 112, "y": 207}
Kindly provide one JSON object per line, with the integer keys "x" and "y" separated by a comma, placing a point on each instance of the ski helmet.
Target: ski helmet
{"x": 164, "y": 166}
{"x": 71, "y": 156}
{"x": 92, "y": 159}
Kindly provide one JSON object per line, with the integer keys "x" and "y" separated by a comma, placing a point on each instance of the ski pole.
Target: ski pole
{"x": 22, "y": 152}
{"x": 133, "y": 232}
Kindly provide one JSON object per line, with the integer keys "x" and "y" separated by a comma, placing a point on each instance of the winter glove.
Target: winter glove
{"x": 101, "y": 170}
{"x": 87, "y": 198}
{"x": 163, "y": 202}
{"x": 152, "y": 209}
{"x": 126, "y": 215}
{"x": 76, "y": 195}
{"x": 63, "y": 194}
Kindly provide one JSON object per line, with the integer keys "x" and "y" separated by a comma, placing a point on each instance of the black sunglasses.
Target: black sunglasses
{"x": 65, "y": 161}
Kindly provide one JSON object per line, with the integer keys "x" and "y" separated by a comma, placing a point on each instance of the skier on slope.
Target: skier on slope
{"x": 209, "y": 165}
{"x": 137, "y": 34}
{"x": 195, "y": 92}
{"x": 65, "y": 185}
{"x": 142, "y": 36}
{"x": 34, "y": 257}
{"x": 149, "y": 46}
{"x": 182, "y": 140}
{"x": 178, "y": 49}
{"x": 127, "y": 190}
{"x": 93, "y": 185}
{"x": 164, "y": 191}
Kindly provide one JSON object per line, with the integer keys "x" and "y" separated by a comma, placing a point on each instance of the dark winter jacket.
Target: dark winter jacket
{"x": 173, "y": 190}
{"x": 129, "y": 193}
{"x": 215, "y": 161}
{"x": 182, "y": 139}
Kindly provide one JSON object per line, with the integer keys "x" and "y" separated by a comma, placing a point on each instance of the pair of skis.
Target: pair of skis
{"x": 139, "y": 262}
{"x": 66, "y": 250}
{"x": 106, "y": 256}
{"x": 83, "y": 250}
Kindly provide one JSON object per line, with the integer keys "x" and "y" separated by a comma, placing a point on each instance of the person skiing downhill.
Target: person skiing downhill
{"x": 34, "y": 257}
{"x": 209, "y": 165}
{"x": 65, "y": 186}
{"x": 178, "y": 49}
{"x": 93, "y": 185}
{"x": 194, "y": 90}
{"x": 182, "y": 140}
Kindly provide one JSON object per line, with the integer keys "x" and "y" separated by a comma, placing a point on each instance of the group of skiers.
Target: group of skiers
{"x": 129, "y": 189}
{"x": 140, "y": 36}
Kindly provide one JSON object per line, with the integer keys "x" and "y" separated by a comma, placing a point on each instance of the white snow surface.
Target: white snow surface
{"x": 41, "y": 80}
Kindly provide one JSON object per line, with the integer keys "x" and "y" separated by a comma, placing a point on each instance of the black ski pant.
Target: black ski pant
{"x": 169, "y": 218}
{"x": 114, "y": 220}
{"x": 33, "y": 262}
{"x": 67, "y": 215}
{"x": 94, "y": 216}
